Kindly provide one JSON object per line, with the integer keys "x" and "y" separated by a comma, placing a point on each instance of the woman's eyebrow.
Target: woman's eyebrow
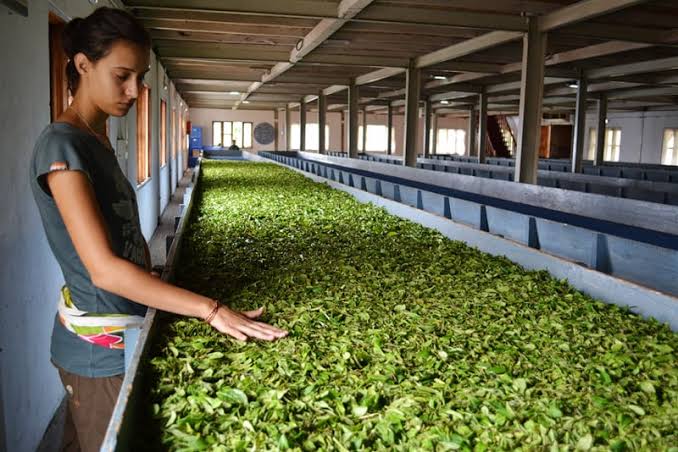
{"x": 130, "y": 69}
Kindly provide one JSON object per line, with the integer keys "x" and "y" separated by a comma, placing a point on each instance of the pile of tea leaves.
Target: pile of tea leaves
{"x": 399, "y": 339}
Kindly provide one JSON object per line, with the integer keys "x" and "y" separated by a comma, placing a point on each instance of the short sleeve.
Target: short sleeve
{"x": 58, "y": 153}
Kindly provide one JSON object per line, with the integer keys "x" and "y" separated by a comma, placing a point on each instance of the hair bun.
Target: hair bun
{"x": 71, "y": 36}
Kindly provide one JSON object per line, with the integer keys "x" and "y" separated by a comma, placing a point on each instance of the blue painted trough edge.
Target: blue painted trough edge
{"x": 642, "y": 300}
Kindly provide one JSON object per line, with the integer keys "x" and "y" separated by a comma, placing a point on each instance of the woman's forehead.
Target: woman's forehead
{"x": 129, "y": 56}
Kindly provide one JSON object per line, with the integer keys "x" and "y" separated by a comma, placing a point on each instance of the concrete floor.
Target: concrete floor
{"x": 51, "y": 440}
{"x": 166, "y": 223}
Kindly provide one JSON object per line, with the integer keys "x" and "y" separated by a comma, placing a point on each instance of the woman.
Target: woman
{"x": 91, "y": 220}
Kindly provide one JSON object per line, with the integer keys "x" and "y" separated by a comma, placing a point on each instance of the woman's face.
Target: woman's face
{"x": 113, "y": 82}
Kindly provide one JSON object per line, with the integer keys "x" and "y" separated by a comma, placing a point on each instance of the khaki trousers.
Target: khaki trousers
{"x": 90, "y": 405}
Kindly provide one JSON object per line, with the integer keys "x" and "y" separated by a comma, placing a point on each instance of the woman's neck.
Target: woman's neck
{"x": 90, "y": 114}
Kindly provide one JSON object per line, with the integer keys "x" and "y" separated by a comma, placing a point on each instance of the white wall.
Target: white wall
{"x": 30, "y": 277}
{"x": 30, "y": 390}
{"x": 642, "y": 133}
{"x": 203, "y": 117}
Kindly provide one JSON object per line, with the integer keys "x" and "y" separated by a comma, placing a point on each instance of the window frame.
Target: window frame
{"x": 144, "y": 128}
{"x": 163, "y": 133}
{"x": 674, "y": 151}
{"x": 231, "y": 124}
{"x": 458, "y": 140}
{"x": 608, "y": 149}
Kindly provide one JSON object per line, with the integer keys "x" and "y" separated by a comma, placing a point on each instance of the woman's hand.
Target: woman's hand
{"x": 242, "y": 326}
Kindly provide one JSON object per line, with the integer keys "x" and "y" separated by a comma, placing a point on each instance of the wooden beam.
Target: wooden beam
{"x": 413, "y": 83}
{"x": 467, "y": 47}
{"x": 531, "y": 94}
{"x": 449, "y": 17}
{"x": 641, "y": 67}
{"x": 482, "y": 126}
{"x": 600, "y": 130}
{"x": 582, "y": 11}
{"x": 579, "y": 127}
{"x": 322, "y": 121}
{"x": 353, "y": 121}
{"x": 287, "y": 8}
{"x": 378, "y": 75}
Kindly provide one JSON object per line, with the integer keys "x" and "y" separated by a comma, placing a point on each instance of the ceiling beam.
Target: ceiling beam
{"x": 467, "y": 47}
{"x": 287, "y": 8}
{"x": 346, "y": 10}
{"x": 641, "y": 67}
{"x": 582, "y": 11}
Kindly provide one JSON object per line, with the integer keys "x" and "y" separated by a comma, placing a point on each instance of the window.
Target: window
{"x": 224, "y": 132}
{"x": 612, "y": 144}
{"x": 311, "y": 136}
{"x": 143, "y": 135}
{"x": 451, "y": 141}
{"x": 377, "y": 138}
{"x": 670, "y": 147}
{"x": 163, "y": 133}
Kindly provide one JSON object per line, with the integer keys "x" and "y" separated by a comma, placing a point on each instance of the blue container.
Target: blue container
{"x": 196, "y": 137}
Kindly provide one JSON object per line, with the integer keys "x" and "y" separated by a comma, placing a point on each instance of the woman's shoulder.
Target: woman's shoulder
{"x": 60, "y": 136}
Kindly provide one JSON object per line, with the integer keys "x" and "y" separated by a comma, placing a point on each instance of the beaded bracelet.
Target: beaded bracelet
{"x": 212, "y": 314}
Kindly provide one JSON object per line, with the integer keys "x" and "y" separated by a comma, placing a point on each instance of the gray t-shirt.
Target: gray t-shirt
{"x": 63, "y": 143}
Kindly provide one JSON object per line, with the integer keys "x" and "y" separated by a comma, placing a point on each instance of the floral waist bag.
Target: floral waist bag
{"x": 105, "y": 330}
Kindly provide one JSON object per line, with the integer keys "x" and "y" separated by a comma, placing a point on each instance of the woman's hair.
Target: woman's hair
{"x": 95, "y": 34}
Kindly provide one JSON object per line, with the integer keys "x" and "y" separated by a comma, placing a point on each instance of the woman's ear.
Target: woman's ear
{"x": 82, "y": 63}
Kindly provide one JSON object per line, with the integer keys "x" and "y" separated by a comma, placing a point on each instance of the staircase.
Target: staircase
{"x": 499, "y": 136}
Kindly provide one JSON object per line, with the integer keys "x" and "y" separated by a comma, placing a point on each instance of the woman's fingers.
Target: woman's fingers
{"x": 253, "y": 314}
{"x": 251, "y": 331}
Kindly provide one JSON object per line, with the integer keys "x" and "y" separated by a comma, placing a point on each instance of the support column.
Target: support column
{"x": 353, "y": 121}
{"x": 428, "y": 113}
{"x": 322, "y": 121}
{"x": 434, "y": 143}
{"x": 343, "y": 131}
{"x": 471, "y": 133}
{"x": 482, "y": 126}
{"x": 579, "y": 127}
{"x": 364, "y": 143}
{"x": 389, "y": 144}
{"x": 288, "y": 129}
{"x": 276, "y": 127}
{"x": 531, "y": 97}
{"x": 410, "y": 140}
{"x": 599, "y": 157}
{"x": 302, "y": 125}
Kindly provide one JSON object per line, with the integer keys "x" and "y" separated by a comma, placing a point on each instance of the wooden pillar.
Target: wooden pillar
{"x": 276, "y": 127}
{"x": 353, "y": 121}
{"x": 579, "y": 127}
{"x": 302, "y": 125}
{"x": 531, "y": 97}
{"x": 471, "y": 132}
{"x": 413, "y": 81}
{"x": 482, "y": 126}
{"x": 343, "y": 131}
{"x": 288, "y": 129}
{"x": 434, "y": 142}
{"x": 364, "y": 143}
{"x": 322, "y": 121}
{"x": 389, "y": 121}
{"x": 599, "y": 157}
{"x": 428, "y": 113}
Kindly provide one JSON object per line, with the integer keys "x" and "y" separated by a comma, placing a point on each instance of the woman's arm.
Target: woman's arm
{"x": 75, "y": 199}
